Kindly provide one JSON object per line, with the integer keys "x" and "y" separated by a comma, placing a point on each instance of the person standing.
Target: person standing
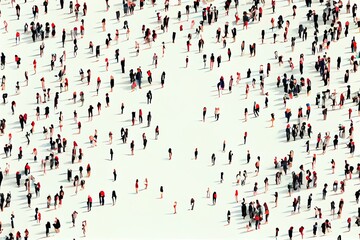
{"x": 111, "y": 154}
{"x": 170, "y": 153}
{"x": 315, "y": 229}
{"x": 175, "y": 204}
{"x": 29, "y": 195}
{"x": 149, "y": 97}
{"x": 132, "y": 145}
{"x": 89, "y": 203}
{"x": 113, "y": 197}
{"x": 47, "y": 226}
{"x": 12, "y": 216}
{"x": 230, "y": 156}
{"x": 73, "y": 217}
{"x": 162, "y": 79}
{"x": 161, "y": 192}
{"x": 290, "y": 232}
{"x": 204, "y": 113}
{"x": 248, "y": 156}
{"x": 214, "y": 198}
{"x": 137, "y": 186}
{"x": 195, "y": 153}
{"x": 1, "y": 173}
{"x": 148, "y": 118}
{"x": 192, "y": 203}
{"x": 115, "y": 174}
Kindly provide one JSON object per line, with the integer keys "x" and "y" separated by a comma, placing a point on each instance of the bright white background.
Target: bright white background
{"x": 177, "y": 109}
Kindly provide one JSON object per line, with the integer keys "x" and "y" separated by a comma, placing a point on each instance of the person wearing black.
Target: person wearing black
{"x": 12, "y": 220}
{"x": 47, "y": 226}
{"x": 18, "y": 177}
{"x": 149, "y": 97}
{"x": 63, "y": 37}
{"x": 2, "y": 60}
{"x": 17, "y": 7}
{"x": 290, "y": 232}
{"x": 230, "y": 156}
{"x": 97, "y": 51}
{"x": 315, "y": 228}
{"x": 111, "y": 154}
{"x": 29, "y": 199}
{"x": 122, "y": 62}
{"x": 57, "y": 225}
{"x": 346, "y": 76}
{"x": 243, "y": 209}
{"x": 115, "y": 175}
{"x": 113, "y": 197}
{"x": 1, "y": 176}
{"x": 73, "y": 217}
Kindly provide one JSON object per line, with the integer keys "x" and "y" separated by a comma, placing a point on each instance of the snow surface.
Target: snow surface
{"x": 177, "y": 110}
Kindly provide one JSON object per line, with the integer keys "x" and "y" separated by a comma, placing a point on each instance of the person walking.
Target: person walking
{"x": 192, "y": 203}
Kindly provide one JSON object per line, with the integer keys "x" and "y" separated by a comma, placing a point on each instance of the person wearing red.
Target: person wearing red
{"x": 26, "y": 234}
{"x": 66, "y": 84}
{"x": 273, "y": 3}
{"x": 102, "y": 197}
{"x": 34, "y": 64}
{"x": 89, "y": 203}
{"x": 27, "y": 169}
{"x": 237, "y": 18}
{"x": 301, "y": 230}
{"x": 140, "y": 116}
{"x": 214, "y": 198}
{"x": 18, "y": 235}
{"x": 175, "y": 204}
{"x": 82, "y": 30}
{"x": 88, "y": 170}
{"x": 137, "y": 186}
{"x": 79, "y": 127}
{"x": 17, "y": 60}
{"x": 17, "y": 38}
{"x": 349, "y": 223}
{"x": 350, "y": 111}
{"x": 32, "y": 127}
{"x": 236, "y": 195}
{"x": 39, "y": 217}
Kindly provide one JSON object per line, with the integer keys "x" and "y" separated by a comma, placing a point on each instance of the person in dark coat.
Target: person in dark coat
{"x": 290, "y": 232}
{"x": 57, "y": 225}
{"x": 47, "y": 226}
{"x": 162, "y": 79}
{"x": 138, "y": 77}
{"x": 114, "y": 197}
{"x": 122, "y": 62}
{"x": 243, "y": 209}
{"x": 1, "y": 177}
{"x": 18, "y": 177}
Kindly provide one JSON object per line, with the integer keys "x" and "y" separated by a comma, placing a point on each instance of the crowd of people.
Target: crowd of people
{"x": 47, "y": 144}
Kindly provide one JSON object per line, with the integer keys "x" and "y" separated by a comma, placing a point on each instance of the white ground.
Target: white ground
{"x": 177, "y": 109}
